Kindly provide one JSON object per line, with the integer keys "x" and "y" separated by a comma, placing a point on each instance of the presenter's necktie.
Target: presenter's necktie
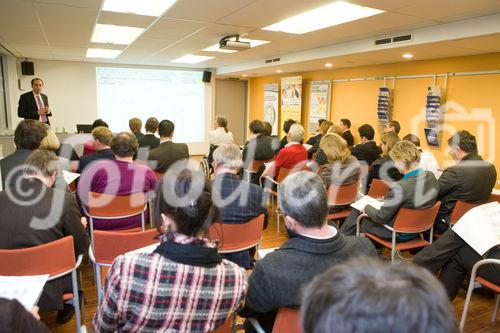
{"x": 42, "y": 118}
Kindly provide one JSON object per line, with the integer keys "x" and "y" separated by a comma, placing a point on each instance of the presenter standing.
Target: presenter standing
{"x": 34, "y": 104}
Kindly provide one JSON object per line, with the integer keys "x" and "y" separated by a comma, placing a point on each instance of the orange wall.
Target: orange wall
{"x": 358, "y": 100}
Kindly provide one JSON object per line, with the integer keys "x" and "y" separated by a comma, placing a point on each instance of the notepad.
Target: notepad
{"x": 70, "y": 177}
{"x": 25, "y": 289}
{"x": 480, "y": 227}
{"x": 366, "y": 200}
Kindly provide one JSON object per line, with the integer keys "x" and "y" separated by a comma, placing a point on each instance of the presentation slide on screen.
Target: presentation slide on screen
{"x": 179, "y": 96}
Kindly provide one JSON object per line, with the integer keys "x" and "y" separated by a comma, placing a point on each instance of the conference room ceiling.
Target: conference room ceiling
{"x": 62, "y": 30}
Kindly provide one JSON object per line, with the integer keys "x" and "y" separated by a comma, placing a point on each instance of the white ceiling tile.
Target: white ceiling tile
{"x": 214, "y": 32}
{"x": 23, "y": 35}
{"x": 67, "y": 26}
{"x": 123, "y": 19}
{"x": 205, "y": 11}
{"x": 90, "y": 4}
{"x": 61, "y": 51}
{"x": 143, "y": 48}
{"x": 18, "y": 14}
{"x": 68, "y": 58}
{"x": 486, "y": 43}
{"x": 172, "y": 29}
{"x": 33, "y": 51}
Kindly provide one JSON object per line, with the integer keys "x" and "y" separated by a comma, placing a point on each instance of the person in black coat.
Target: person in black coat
{"x": 367, "y": 150}
{"x": 15, "y": 318}
{"x": 286, "y": 127}
{"x": 34, "y": 105}
{"x": 315, "y": 139}
{"x": 470, "y": 180}
{"x": 345, "y": 125}
{"x": 149, "y": 140}
{"x": 168, "y": 152}
{"x": 383, "y": 168}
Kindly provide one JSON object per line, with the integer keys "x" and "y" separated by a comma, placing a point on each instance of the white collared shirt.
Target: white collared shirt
{"x": 219, "y": 136}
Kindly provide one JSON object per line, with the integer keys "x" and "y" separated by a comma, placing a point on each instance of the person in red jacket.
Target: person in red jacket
{"x": 294, "y": 155}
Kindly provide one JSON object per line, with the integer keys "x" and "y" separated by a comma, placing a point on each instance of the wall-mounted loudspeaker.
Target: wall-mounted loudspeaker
{"x": 207, "y": 76}
{"x": 27, "y": 68}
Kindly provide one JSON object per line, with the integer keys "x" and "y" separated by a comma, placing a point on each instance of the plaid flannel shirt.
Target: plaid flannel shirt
{"x": 150, "y": 293}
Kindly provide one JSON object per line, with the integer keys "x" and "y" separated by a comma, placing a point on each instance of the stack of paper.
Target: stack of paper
{"x": 25, "y": 289}
{"x": 480, "y": 227}
{"x": 365, "y": 201}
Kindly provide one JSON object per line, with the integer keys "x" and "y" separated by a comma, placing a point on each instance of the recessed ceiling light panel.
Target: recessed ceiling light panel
{"x": 192, "y": 59}
{"x": 407, "y": 55}
{"x": 330, "y": 15}
{"x": 102, "y": 53}
{"x": 328, "y": 65}
{"x": 115, "y": 34}
{"x": 142, "y": 7}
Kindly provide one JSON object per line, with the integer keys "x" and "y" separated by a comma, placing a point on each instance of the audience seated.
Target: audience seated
{"x": 341, "y": 168}
{"x": 325, "y": 126}
{"x": 417, "y": 189}
{"x": 392, "y": 126}
{"x": 383, "y": 168}
{"x": 294, "y": 155}
{"x": 367, "y": 150}
{"x": 15, "y": 318}
{"x": 27, "y": 137}
{"x": 88, "y": 147}
{"x": 220, "y": 135}
{"x": 135, "y": 125}
{"x": 368, "y": 296}
{"x": 268, "y": 129}
{"x": 286, "y": 128}
{"x": 168, "y": 152}
{"x": 238, "y": 201}
{"x": 149, "y": 140}
{"x": 453, "y": 259}
{"x": 336, "y": 130}
{"x": 313, "y": 139}
{"x": 313, "y": 247}
{"x": 121, "y": 176}
{"x": 345, "y": 125}
{"x": 63, "y": 150}
{"x": 102, "y": 151}
{"x": 182, "y": 286}
{"x": 470, "y": 180}
{"x": 39, "y": 214}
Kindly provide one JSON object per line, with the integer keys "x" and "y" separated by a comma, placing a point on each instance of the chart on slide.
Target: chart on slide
{"x": 179, "y": 96}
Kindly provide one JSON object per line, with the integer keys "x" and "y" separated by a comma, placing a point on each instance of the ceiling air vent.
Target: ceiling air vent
{"x": 268, "y": 61}
{"x": 402, "y": 38}
{"x": 276, "y": 59}
{"x": 383, "y": 41}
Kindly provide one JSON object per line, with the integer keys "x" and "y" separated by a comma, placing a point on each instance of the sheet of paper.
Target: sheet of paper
{"x": 264, "y": 252}
{"x": 429, "y": 163}
{"x": 69, "y": 177}
{"x": 365, "y": 201}
{"x": 480, "y": 227}
{"x": 25, "y": 289}
{"x": 145, "y": 249}
{"x": 306, "y": 146}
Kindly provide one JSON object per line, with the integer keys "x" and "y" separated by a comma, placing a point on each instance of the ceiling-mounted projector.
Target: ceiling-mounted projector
{"x": 233, "y": 43}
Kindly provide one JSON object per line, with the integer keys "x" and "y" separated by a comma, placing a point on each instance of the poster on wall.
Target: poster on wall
{"x": 271, "y": 105}
{"x": 319, "y": 104}
{"x": 291, "y": 98}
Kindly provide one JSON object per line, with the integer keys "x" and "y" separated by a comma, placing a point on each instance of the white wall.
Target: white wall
{"x": 71, "y": 89}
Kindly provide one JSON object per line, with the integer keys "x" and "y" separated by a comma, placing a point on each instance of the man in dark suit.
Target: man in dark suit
{"x": 102, "y": 140}
{"x": 34, "y": 104}
{"x": 27, "y": 137}
{"x": 470, "y": 180}
{"x": 367, "y": 150}
{"x": 149, "y": 140}
{"x": 39, "y": 214}
{"x": 239, "y": 201}
{"x": 345, "y": 125}
{"x": 168, "y": 152}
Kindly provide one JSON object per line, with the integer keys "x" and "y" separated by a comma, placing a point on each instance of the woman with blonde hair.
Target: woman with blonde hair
{"x": 341, "y": 167}
{"x": 51, "y": 142}
{"x": 383, "y": 168}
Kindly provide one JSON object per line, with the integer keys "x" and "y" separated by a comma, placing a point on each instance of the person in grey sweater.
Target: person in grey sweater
{"x": 312, "y": 248}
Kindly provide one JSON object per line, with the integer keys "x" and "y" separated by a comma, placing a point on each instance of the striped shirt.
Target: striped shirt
{"x": 150, "y": 293}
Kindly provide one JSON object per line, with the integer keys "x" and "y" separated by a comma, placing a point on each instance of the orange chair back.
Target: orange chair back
{"x": 411, "y": 220}
{"x": 282, "y": 174}
{"x": 461, "y": 207}
{"x": 226, "y": 327}
{"x": 255, "y": 165}
{"x": 339, "y": 195}
{"x": 287, "y": 320}
{"x": 51, "y": 258}
{"x": 378, "y": 189}
{"x": 110, "y": 244}
{"x": 237, "y": 237}
{"x": 108, "y": 205}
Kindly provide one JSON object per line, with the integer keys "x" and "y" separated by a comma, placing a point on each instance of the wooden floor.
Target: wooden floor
{"x": 478, "y": 319}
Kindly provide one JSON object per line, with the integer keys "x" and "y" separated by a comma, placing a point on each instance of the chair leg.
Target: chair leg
{"x": 97, "y": 270}
{"x": 497, "y": 303}
{"x": 467, "y": 302}
{"x": 76, "y": 302}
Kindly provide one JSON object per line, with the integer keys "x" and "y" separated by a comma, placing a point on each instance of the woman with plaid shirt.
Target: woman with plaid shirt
{"x": 184, "y": 285}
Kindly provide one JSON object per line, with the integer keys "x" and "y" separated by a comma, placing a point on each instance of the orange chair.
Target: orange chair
{"x": 287, "y": 320}
{"x": 378, "y": 189}
{"x": 110, "y": 207}
{"x": 462, "y": 207}
{"x": 282, "y": 174}
{"x": 253, "y": 168}
{"x": 408, "y": 221}
{"x": 110, "y": 244}
{"x": 342, "y": 195}
{"x": 237, "y": 237}
{"x": 475, "y": 278}
{"x": 56, "y": 259}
